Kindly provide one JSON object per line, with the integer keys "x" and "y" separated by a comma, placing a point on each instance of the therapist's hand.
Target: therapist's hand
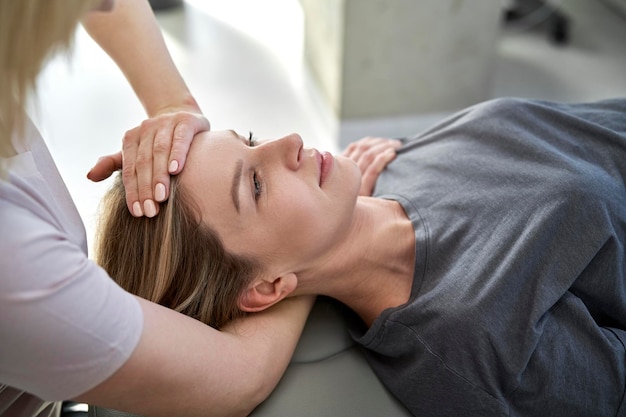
{"x": 372, "y": 155}
{"x": 151, "y": 152}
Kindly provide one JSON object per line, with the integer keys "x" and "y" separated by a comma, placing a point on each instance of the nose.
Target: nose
{"x": 287, "y": 149}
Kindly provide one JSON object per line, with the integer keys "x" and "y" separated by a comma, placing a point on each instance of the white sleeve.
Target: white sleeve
{"x": 65, "y": 326}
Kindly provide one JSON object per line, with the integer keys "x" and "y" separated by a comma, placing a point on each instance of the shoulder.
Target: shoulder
{"x": 52, "y": 292}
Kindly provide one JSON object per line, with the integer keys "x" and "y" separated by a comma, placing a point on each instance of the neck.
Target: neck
{"x": 373, "y": 268}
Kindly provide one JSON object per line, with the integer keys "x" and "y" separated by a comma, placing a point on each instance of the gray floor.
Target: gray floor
{"x": 246, "y": 71}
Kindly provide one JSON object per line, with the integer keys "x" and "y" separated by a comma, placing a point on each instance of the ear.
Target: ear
{"x": 264, "y": 293}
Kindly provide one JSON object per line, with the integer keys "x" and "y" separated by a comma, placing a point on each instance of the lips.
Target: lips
{"x": 327, "y": 161}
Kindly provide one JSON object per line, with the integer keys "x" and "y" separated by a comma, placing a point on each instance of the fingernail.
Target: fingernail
{"x": 149, "y": 208}
{"x": 173, "y": 166}
{"x": 137, "y": 209}
{"x": 159, "y": 192}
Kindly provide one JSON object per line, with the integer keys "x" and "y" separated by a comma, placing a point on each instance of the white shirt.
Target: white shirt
{"x": 65, "y": 325}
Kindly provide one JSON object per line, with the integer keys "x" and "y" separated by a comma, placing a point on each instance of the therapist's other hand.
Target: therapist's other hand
{"x": 372, "y": 154}
{"x": 151, "y": 152}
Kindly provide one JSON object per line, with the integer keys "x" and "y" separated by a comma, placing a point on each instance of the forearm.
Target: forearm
{"x": 132, "y": 38}
{"x": 273, "y": 334}
{"x": 183, "y": 367}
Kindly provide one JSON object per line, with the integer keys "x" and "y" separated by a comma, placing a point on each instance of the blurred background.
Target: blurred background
{"x": 335, "y": 70}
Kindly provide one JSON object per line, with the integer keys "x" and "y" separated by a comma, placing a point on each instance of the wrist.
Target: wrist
{"x": 186, "y": 103}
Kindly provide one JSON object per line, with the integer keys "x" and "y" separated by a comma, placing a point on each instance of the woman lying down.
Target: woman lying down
{"x": 488, "y": 268}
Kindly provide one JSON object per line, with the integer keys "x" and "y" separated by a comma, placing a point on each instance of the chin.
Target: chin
{"x": 348, "y": 167}
{"x": 352, "y": 173}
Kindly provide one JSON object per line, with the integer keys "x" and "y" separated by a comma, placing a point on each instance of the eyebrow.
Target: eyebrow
{"x": 234, "y": 189}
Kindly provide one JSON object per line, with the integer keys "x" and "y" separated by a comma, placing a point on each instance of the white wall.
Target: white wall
{"x": 376, "y": 58}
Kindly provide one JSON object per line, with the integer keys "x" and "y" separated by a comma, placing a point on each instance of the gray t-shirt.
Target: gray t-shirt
{"x": 518, "y": 306}
{"x": 65, "y": 325}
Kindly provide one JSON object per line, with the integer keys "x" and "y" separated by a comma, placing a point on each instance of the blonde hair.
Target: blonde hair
{"x": 172, "y": 259}
{"x": 31, "y": 31}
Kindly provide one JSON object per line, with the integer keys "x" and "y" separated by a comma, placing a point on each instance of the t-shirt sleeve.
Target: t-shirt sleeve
{"x": 65, "y": 325}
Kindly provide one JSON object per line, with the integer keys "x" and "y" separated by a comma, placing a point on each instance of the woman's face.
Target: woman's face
{"x": 277, "y": 202}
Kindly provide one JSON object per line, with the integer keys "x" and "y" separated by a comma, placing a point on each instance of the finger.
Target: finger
{"x": 144, "y": 164}
{"x": 349, "y": 150}
{"x": 379, "y": 147}
{"x": 105, "y": 166}
{"x": 368, "y": 180}
{"x": 354, "y": 150}
{"x": 371, "y": 174}
{"x": 394, "y": 143}
{"x": 130, "y": 145}
{"x": 367, "y": 158}
{"x": 183, "y": 136}
{"x": 382, "y": 160}
{"x": 159, "y": 176}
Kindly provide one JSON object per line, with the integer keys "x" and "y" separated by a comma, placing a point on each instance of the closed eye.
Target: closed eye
{"x": 257, "y": 186}
{"x": 251, "y": 140}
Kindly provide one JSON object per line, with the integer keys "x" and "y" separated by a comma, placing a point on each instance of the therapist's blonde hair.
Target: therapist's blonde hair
{"x": 172, "y": 259}
{"x": 31, "y": 31}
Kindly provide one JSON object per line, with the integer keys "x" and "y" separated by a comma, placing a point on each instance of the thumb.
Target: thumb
{"x": 105, "y": 166}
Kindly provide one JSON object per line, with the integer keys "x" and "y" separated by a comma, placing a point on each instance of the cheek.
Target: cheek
{"x": 293, "y": 225}
{"x": 344, "y": 182}
{"x": 309, "y": 223}
{"x": 297, "y": 214}
{"x": 301, "y": 220}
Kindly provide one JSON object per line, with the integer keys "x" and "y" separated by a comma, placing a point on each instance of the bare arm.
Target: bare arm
{"x": 158, "y": 147}
{"x": 183, "y": 367}
{"x": 130, "y": 35}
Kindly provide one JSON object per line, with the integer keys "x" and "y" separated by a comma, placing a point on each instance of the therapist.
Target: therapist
{"x": 67, "y": 331}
